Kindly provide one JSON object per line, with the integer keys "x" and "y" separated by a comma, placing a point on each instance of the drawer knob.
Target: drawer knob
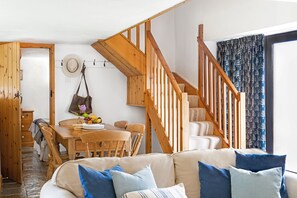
{"x": 23, "y": 126}
{"x": 23, "y": 137}
{"x": 23, "y": 116}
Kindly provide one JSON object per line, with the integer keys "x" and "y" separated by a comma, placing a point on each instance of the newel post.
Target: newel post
{"x": 241, "y": 122}
{"x": 184, "y": 122}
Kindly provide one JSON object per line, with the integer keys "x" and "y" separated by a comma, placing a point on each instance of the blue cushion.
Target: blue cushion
{"x": 264, "y": 184}
{"x": 97, "y": 184}
{"x": 214, "y": 182}
{"x": 259, "y": 162}
{"x": 125, "y": 182}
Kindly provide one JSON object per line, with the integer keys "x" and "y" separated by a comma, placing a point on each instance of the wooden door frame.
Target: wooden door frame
{"x": 51, "y": 48}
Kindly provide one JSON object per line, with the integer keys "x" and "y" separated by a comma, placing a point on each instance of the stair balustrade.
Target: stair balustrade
{"x": 220, "y": 98}
{"x": 165, "y": 99}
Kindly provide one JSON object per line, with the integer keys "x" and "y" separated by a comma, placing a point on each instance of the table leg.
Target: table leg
{"x": 71, "y": 149}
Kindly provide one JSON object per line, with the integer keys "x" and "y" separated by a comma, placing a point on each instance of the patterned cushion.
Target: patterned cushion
{"x": 177, "y": 191}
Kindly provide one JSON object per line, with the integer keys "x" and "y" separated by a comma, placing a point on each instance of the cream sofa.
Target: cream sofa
{"x": 167, "y": 169}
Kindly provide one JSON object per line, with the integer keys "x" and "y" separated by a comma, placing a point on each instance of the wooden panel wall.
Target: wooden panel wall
{"x": 10, "y": 137}
{"x": 135, "y": 96}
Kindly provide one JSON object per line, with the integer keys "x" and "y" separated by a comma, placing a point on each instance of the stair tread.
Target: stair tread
{"x": 193, "y": 101}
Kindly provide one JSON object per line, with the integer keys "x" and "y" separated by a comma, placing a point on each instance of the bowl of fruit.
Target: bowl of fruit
{"x": 92, "y": 119}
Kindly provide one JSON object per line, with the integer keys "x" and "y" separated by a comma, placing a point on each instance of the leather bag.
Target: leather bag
{"x": 79, "y": 100}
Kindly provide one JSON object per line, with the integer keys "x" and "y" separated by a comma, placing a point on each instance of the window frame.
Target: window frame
{"x": 269, "y": 42}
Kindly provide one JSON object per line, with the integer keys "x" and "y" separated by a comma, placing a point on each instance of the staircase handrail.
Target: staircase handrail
{"x": 223, "y": 75}
{"x": 167, "y": 105}
{"x": 224, "y": 103}
{"x": 165, "y": 65}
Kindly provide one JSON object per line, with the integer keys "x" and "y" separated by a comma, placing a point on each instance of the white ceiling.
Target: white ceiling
{"x": 73, "y": 21}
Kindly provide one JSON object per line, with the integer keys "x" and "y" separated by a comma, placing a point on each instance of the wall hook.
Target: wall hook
{"x": 94, "y": 62}
{"x": 61, "y": 63}
{"x": 104, "y": 63}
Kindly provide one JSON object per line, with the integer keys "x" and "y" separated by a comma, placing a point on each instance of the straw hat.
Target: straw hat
{"x": 72, "y": 65}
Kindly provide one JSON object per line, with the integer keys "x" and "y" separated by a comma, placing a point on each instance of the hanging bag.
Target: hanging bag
{"x": 79, "y": 100}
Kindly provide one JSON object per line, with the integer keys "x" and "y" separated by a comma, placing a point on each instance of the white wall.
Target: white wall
{"x": 222, "y": 19}
{"x": 285, "y": 106}
{"x": 163, "y": 28}
{"x": 35, "y": 83}
{"x": 107, "y": 86}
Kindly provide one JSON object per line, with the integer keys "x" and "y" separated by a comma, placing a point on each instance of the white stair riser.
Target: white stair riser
{"x": 201, "y": 128}
{"x": 204, "y": 142}
{"x": 193, "y": 101}
{"x": 197, "y": 114}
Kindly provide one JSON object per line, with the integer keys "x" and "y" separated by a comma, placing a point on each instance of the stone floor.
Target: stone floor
{"x": 34, "y": 176}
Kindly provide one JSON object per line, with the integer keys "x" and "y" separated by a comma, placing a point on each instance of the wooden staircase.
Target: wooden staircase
{"x": 182, "y": 116}
{"x": 201, "y": 130}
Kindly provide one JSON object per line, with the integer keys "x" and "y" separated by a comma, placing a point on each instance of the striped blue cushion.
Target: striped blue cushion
{"x": 177, "y": 191}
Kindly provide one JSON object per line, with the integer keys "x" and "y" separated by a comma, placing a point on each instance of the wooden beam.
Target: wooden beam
{"x": 159, "y": 129}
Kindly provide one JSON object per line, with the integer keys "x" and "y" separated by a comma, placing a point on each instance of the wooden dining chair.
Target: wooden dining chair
{"x": 121, "y": 124}
{"x": 137, "y": 131}
{"x": 54, "y": 157}
{"x": 70, "y": 122}
{"x": 107, "y": 143}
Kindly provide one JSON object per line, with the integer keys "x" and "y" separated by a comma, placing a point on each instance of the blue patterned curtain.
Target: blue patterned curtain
{"x": 243, "y": 61}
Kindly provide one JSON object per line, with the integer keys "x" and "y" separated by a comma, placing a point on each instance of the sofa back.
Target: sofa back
{"x": 186, "y": 165}
{"x": 66, "y": 176}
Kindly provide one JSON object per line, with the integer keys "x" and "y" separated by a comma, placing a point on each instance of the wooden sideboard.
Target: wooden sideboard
{"x": 26, "y": 135}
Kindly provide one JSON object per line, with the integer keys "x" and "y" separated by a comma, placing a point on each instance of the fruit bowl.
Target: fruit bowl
{"x": 92, "y": 126}
{"x": 92, "y": 119}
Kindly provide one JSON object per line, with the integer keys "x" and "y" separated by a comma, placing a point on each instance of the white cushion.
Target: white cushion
{"x": 66, "y": 176}
{"x": 177, "y": 191}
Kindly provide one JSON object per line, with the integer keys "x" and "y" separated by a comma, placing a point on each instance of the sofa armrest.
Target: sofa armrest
{"x": 49, "y": 190}
{"x": 291, "y": 183}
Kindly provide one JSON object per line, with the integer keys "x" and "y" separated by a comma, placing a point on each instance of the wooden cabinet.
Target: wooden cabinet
{"x": 26, "y": 120}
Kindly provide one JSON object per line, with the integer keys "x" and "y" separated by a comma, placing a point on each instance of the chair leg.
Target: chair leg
{"x": 50, "y": 171}
{"x": 0, "y": 182}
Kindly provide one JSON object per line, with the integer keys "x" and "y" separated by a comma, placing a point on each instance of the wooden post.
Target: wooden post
{"x": 185, "y": 122}
{"x": 200, "y": 61}
{"x": 148, "y": 124}
{"x": 0, "y": 174}
{"x": 148, "y": 138}
{"x": 241, "y": 122}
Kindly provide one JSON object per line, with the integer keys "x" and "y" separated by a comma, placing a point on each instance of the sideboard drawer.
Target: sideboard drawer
{"x": 26, "y": 121}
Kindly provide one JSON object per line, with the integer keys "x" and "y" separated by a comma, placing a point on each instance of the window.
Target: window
{"x": 281, "y": 91}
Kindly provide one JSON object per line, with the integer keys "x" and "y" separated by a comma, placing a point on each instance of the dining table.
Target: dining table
{"x": 69, "y": 137}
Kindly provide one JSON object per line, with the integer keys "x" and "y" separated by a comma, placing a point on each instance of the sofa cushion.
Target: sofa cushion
{"x": 125, "y": 182}
{"x": 177, "y": 191}
{"x": 186, "y": 168}
{"x": 66, "y": 176}
{"x": 264, "y": 184}
{"x": 256, "y": 162}
{"x": 97, "y": 183}
{"x": 214, "y": 182}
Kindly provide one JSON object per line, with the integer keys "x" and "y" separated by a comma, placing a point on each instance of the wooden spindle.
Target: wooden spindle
{"x": 220, "y": 102}
{"x": 215, "y": 113}
{"x": 129, "y": 35}
{"x": 230, "y": 118}
{"x": 138, "y": 36}
{"x": 210, "y": 81}
{"x": 235, "y": 105}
